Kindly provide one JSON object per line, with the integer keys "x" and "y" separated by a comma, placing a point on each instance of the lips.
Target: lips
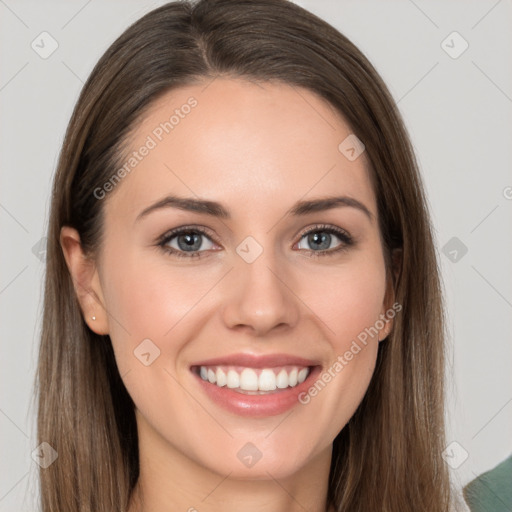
{"x": 258, "y": 361}
{"x": 255, "y": 385}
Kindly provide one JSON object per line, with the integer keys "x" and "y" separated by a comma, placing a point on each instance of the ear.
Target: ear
{"x": 388, "y": 312}
{"x": 86, "y": 281}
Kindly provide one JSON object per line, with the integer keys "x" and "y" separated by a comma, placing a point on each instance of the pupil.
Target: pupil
{"x": 192, "y": 241}
{"x": 322, "y": 238}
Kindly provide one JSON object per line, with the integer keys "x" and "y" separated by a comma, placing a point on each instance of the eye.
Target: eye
{"x": 321, "y": 237}
{"x": 193, "y": 241}
{"x": 186, "y": 242}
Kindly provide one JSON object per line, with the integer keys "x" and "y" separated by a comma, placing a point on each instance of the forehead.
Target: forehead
{"x": 242, "y": 143}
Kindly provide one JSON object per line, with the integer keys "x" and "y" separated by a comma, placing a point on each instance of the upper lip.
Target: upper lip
{"x": 258, "y": 361}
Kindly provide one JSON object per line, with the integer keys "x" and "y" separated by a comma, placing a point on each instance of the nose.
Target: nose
{"x": 260, "y": 297}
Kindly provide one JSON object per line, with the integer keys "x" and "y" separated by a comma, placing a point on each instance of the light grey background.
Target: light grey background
{"x": 459, "y": 115}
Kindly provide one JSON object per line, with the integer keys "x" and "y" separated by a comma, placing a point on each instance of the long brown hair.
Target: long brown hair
{"x": 388, "y": 457}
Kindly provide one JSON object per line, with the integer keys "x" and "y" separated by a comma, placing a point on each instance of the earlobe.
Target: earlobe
{"x": 86, "y": 282}
{"x": 385, "y": 331}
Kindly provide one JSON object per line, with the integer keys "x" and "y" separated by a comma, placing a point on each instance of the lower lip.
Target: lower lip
{"x": 270, "y": 404}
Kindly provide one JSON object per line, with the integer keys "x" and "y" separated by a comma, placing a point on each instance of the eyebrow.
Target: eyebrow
{"x": 217, "y": 210}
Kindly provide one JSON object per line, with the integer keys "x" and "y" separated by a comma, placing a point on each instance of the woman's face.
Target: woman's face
{"x": 260, "y": 296}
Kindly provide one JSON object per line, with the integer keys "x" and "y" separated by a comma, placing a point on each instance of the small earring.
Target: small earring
{"x": 94, "y": 318}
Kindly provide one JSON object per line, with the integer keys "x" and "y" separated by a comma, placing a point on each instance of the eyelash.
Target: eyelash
{"x": 345, "y": 238}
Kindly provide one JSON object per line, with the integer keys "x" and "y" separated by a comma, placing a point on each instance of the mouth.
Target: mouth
{"x": 253, "y": 381}
{"x": 255, "y": 386}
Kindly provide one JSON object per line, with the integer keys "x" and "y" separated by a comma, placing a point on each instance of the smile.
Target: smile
{"x": 254, "y": 380}
{"x": 255, "y": 385}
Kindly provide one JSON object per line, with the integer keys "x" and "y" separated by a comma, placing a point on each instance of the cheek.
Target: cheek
{"x": 149, "y": 298}
{"x": 348, "y": 299}
{"x": 150, "y": 302}
{"x": 349, "y": 302}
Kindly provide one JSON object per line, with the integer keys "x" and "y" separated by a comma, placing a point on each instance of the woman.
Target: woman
{"x": 242, "y": 303}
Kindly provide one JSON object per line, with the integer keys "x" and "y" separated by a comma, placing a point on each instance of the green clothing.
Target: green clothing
{"x": 492, "y": 490}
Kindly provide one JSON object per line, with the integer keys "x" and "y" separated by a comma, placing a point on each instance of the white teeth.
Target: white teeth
{"x": 233, "y": 380}
{"x": 221, "y": 378}
{"x": 252, "y": 379}
{"x": 267, "y": 380}
{"x": 281, "y": 379}
{"x": 248, "y": 380}
{"x": 301, "y": 377}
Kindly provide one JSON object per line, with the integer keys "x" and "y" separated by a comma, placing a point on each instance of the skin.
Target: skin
{"x": 257, "y": 149}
